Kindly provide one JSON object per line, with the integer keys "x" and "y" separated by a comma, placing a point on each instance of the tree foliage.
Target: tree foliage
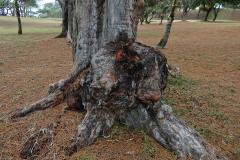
{"x": 214, "y": 6}
{"x": 160, "y": 8}
{"x": 6, "y": 7}
{"x": 52, "y": 10}
{"x": 26, "y": 7}
{"x": 154, "y": 8}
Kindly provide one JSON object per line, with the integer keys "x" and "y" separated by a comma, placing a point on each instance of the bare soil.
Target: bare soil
{"x": 206, "y": 97}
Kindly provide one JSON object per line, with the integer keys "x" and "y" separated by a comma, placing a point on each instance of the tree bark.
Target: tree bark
{"x": 71, "y": 18}
{"x": 64, "y": 6}
{"x": 164, "y": 40}
{"x": 18, "y": 17}
{"x": 116, "y": 79}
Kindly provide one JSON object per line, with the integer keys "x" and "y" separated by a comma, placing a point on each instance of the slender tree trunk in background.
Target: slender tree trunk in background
{"x": 164, "y": 40}
{"x": 161, "y": 19}
{"x": 18, "y": 17}
{"x": 184, "y": 13}
{"x": 24, "y": 11}
{"x": 216, "y": 11}
{"x": 71, "y": 19}
{"x": 64, "y": 7}
{"x": 114, "y": 79}
{"x": 13, "y": 11}
{"x": 207, "y": 13}
{"x": 199, "y": 11}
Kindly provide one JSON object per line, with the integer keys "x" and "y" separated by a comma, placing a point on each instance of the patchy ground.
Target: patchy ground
{"x": 206, "y": 97}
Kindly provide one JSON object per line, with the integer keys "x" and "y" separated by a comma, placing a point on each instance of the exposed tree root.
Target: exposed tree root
{"x": 119, "y": 83}
{"x": 61, "y": 35}
{"x": 173, "y": 70}
{"x": 95, "y": 124}
{"x": 170, "y": 132}
{"x": 58, "y": 92}
{"x": 41, "y": 139}
{"x": 51, "y": 100}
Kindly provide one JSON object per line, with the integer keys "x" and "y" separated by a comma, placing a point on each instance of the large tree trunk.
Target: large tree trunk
{"x": 115, "y": 78}
{"x": 18, "y": 17}
{"x": 164, "y": 40}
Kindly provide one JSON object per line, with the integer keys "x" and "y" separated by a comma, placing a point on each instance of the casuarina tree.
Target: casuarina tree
{"x": 18, "y": 17}
{"x": 114, "y": 78}
{"x": 164, "y": 40}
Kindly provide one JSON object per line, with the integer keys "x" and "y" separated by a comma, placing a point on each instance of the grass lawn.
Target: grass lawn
{"x": 206, "y": 96}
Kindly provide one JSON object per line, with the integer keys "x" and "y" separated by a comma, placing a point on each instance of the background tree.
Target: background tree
{"x": 5, "y": 7}
{"x": 64, "y": 4}
{"x": 186, "y": 6}
{"x": 168, "y": 27}
{"x": 18, "y": 16}
{"x": 50, "y": 10}
{"x": 26, "y": 7}
{"x": 148, "y": 11}
{"x": 213, "y": 6}
{"x": 206, "y": 6}
{"x": 162, "y": 8}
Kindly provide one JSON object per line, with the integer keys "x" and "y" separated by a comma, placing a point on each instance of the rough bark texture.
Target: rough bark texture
{"x": 164, "y": 40}
{"x": 116, "y": 79}
{"x": 170, "y": 132}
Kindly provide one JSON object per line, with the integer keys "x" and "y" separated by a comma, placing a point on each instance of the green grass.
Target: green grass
{"x": 236, "y": 62}
{"x": 118, "y": 130}
{"x": 34, "y": 29}
{"x": 31, "y": 19}
{"x": 8, "y": 25}
{"x": 237, "y": 153}
{"x": 216, "y": 113}
{"x": 182, "y": 94}
{"x": 6, "y": 31}
{"x": 181, "y": 83}
{"x": 148, "y": 150}
{"x": 86, "y": 157}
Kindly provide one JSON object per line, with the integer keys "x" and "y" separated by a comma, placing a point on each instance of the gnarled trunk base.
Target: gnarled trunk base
{"x": 124, "y": 82}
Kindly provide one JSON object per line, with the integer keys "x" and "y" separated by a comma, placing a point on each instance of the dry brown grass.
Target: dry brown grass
{"x": 207, "y": 97}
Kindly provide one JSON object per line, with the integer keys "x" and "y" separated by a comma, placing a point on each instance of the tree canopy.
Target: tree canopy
{"x": 50, "y": 10}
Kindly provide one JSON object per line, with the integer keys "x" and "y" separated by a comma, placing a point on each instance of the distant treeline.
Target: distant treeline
{"x": 206, "y": 9}
{"x": 30, "y": 8}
